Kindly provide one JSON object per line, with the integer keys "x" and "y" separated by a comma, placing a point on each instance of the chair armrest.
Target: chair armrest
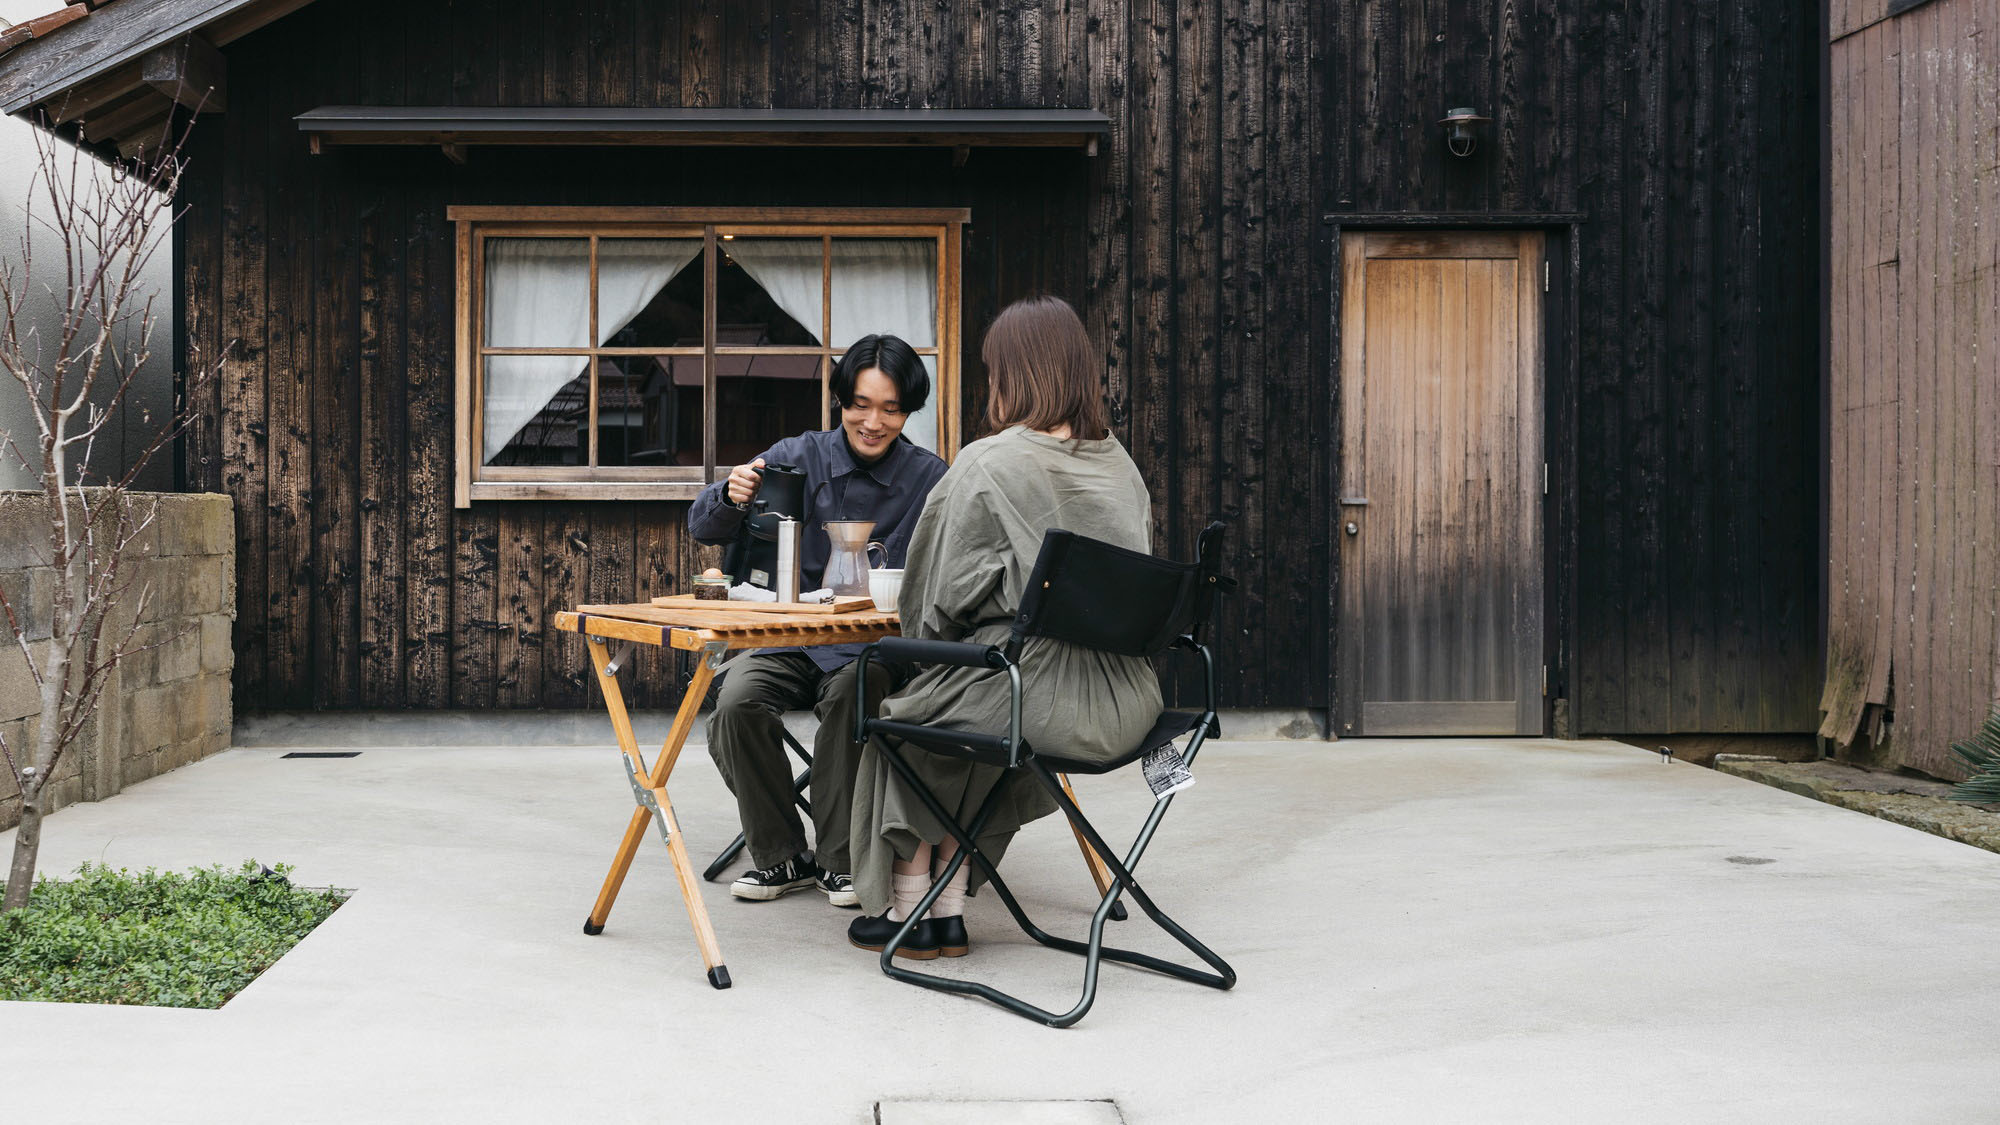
{"x": 958, "y": 653}
{"x": 944, "y": 652}
{"x": 992, "y": 749}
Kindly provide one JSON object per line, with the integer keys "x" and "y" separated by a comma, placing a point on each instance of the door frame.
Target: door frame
{"x": 1561, "y": 380}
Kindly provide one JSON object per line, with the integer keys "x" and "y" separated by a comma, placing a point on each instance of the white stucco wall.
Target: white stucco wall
{"x": 154, "y": 387}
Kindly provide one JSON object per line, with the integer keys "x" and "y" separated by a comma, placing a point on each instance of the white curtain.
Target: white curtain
{"x": 880, "y": 286}
{"x": 789, "y": 270}
{"x": 538, "y": 296}
{"x": 885, "y": 285}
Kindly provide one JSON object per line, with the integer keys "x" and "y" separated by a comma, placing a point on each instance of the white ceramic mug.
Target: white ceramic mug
{"x": 883, "y": 586}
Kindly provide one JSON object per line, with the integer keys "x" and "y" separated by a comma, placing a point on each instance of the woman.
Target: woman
{"x": 1053, "y": 463}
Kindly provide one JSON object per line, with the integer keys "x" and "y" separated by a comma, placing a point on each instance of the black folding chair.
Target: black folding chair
{"x": 799, "y": 784}
{"x": 1099, "y": 596}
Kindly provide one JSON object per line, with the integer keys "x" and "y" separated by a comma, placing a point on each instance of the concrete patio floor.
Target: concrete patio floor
{"x": 1425, "y": 930}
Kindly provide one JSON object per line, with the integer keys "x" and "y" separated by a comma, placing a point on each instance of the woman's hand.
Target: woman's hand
{"x": 744, "y": 482}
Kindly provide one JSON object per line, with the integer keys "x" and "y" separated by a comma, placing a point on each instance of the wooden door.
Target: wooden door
{"x": 1442, "y": 479}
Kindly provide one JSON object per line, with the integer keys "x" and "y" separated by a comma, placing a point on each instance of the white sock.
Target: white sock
{"x": 951, "y": 901}
{"x": 905, "y": 892}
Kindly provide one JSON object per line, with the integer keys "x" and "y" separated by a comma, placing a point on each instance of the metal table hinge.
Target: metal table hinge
{"x": 642, "y": 794}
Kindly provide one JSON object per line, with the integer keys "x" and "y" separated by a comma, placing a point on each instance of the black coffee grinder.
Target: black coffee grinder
{"x": 753, "y": 555}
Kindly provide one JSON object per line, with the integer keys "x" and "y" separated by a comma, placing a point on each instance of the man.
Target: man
{"x": 864, "y": 469}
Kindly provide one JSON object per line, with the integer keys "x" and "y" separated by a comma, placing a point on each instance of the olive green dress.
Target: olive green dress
{"x": 967, "y": 566}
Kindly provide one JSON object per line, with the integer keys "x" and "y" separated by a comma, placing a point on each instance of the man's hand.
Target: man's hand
{"x": 744, "y": 482}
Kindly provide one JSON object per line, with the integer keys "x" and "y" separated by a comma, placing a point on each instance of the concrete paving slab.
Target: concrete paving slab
{"x": 1425, "y": 930}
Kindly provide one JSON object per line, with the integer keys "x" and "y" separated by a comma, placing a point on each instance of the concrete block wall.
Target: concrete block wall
{"x": 163, "y": 707}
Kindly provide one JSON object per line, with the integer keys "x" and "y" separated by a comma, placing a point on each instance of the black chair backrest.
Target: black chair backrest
{"x": 1091, "y": 593}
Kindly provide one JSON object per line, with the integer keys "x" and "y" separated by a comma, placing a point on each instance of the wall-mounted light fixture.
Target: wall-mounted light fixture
{"x": 1461, "y": 129}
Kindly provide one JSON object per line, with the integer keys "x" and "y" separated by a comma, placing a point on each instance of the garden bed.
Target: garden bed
{"x": 170, "y": 939}
{"x": 1914, "y": 802}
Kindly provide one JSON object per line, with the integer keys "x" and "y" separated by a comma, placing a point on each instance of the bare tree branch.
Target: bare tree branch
{"x": 98, "y": 232}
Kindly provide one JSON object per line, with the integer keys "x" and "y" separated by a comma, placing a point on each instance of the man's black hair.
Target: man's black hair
{"x": 896, "y": 359}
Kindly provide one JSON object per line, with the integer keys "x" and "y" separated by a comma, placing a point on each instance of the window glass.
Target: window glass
{"x": 554, "y": 428}
{"x": 761, "y": 398}
{"x": 649, "y": 410}
{"x": 537, "y": 293}
{"x": 775, "y": 283}
{"x": 885, "y": 286}
{"x": 649, "y": 292}
{"x": 781, "y": 310}
{"x": 921, "y": 427}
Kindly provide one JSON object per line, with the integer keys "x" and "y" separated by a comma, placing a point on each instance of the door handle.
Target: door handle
{"x": 1353, "y": 528}
{"x": 1354, "y": 501}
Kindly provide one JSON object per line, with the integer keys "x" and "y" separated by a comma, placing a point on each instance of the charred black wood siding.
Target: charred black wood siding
{"x": 1684, "y": 568}
{"x": 1193, "y": 243}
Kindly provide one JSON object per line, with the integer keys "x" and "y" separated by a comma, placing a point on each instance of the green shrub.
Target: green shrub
{"x": 1981, "y": 755}
{"x": 175, "y": 940}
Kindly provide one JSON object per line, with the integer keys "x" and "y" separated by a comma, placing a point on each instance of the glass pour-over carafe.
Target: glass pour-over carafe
{"x": 847, "y": 566}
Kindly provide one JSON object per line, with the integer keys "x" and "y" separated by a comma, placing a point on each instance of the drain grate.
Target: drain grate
{"x": 322, "y": 754}
{"x": 1065, "y": 1112}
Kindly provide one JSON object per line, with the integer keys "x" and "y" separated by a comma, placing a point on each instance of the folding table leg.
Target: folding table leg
{"x": 655, "y": 786}
{"x": 1099, "y": 874}
{"x": 704, "y": 933}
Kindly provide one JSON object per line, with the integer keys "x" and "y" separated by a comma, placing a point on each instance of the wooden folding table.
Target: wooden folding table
{"x": 714, "y": 633}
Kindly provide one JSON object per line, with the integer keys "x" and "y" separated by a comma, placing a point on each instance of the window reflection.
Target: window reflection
{"x": 558, "y": 433}
{"x": 649, "y": 410}
{"x": 761, "y": 398}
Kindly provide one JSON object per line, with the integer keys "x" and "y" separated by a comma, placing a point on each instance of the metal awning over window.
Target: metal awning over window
{"x": 455, "y": 127}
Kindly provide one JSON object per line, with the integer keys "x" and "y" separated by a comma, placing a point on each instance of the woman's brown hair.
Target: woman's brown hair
{"x": 1042, "y": 371}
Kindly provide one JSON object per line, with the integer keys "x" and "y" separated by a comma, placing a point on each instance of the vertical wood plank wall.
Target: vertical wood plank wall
{"x": 1194, "y": 244}
{"x": 363, "y": 587}
{"x": 1914, "y": 448}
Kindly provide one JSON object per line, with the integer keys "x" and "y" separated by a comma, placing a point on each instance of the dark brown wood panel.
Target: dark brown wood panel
{"x": 566, "y": 565}
{"x": 1695, "y": 437}
{"x": 1240, "y": 431}
{"x": 384, "y": 448}
{"x": 201, "y": 253}
{"x": 424, "y": 498}
{"x": 244, "y": 423}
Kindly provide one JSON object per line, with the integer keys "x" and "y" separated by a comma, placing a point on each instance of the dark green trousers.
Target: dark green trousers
{"x": 744, "y": 739}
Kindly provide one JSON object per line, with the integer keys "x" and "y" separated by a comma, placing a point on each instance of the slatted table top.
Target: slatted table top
{"x": 693, "y": 629}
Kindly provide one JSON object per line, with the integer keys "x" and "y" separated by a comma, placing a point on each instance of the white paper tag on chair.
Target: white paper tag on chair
{"x": 1166, "y": 773}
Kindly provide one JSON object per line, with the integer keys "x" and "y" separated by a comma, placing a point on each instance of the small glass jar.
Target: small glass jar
{"x": 711, "y": 589}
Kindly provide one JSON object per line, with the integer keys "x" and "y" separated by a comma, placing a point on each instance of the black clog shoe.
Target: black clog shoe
{"x": 950, "y": 935}
{"x": 874, "y": 933}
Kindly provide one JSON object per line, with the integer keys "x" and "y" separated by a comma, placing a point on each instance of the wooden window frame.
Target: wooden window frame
{"x": 714, "y": 225}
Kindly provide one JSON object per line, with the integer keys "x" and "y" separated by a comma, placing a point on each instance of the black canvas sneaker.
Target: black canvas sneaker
{"x": 778, "y": 880}
{"x": 839, "y": 888}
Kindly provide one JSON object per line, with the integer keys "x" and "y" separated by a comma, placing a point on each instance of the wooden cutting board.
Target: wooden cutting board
{"x": 840, "y": 604}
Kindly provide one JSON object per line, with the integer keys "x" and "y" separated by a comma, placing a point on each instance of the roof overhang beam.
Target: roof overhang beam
{"x": 457, "y": 128}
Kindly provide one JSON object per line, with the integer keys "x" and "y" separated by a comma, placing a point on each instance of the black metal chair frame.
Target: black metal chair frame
{"x": 1182, "y": 627}
{"x": 799, "y": 784}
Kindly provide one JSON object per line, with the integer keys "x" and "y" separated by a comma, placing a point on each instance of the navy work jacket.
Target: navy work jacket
{"x": 889, "y": 493}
